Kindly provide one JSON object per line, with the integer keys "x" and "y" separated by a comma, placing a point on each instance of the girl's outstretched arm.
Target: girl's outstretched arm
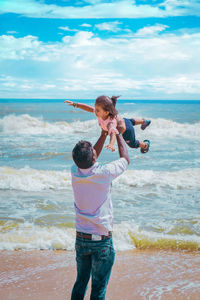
{"x": 80, "y": 105}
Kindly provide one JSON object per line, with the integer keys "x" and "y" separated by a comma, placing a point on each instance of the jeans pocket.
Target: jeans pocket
{"x": 106, "y": 253}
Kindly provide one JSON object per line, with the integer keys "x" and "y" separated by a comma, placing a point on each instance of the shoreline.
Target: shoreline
{"x": 137, "y": 274}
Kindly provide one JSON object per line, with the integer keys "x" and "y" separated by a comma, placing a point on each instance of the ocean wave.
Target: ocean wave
{"x": 159, "y": 128}
{"x": 165, "y": 128}
{"x": 30, "y": 236}
{"x": 26, "y": 124}
{"x": 170, "y": 129}
{"x": 126, "y": 237}
{"x": 182, "y": 179}
{"x": 28, "y": 179}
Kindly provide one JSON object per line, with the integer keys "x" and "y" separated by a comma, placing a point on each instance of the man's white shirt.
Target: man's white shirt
{"x": 92, "y": 196}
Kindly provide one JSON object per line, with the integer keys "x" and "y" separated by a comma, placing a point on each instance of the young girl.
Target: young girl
{"x": 109, "y": 120}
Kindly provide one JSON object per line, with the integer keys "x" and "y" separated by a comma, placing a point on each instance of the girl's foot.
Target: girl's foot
{"x": 146, "y": 148}
{"x": 146, "y": 123}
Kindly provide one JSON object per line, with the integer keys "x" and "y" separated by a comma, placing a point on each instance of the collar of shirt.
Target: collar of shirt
{"x": 88, "y": 170}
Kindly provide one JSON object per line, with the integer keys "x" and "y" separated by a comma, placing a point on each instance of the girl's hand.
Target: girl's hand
{"x": 111, "y": 147}
{"x": 69, "y": 102}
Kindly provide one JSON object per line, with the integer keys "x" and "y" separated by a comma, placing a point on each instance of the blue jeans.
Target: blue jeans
{"x": 129, "y": 134}
{"x": 94, "y": 258}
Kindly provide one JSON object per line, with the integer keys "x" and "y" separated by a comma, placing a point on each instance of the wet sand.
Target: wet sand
{"x": 137, "y": 274}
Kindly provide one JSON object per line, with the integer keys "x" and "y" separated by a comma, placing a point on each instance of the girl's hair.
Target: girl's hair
{"x": 114, "y": 99}
{"x": 108, "y": 104}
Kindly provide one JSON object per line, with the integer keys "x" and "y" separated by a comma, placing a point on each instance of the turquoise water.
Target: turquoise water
{"x": 157, "y": 198}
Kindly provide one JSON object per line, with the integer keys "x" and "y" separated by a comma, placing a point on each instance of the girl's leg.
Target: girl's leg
{"x": 129, "y": 137}
{"x": 137, "y": 144}
{"x": 144, "y": 123}
{"x": 137, "y": 121}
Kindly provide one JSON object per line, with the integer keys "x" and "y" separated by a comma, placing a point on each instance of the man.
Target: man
{"x": 91, "y": 184}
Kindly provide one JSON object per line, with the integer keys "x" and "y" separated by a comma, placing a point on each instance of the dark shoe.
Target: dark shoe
{"x": 146, "y": 149}
{"x": 146, "y": 124}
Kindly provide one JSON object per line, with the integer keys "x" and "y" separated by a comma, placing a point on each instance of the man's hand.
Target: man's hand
{"x": 111, "y": 147}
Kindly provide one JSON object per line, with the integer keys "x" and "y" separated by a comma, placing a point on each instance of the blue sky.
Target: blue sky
{"x": 81, "y": 49}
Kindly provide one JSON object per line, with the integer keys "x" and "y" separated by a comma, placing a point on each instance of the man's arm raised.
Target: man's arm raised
{"x": 123, "y": 152}
{"x": 99, "y": 144}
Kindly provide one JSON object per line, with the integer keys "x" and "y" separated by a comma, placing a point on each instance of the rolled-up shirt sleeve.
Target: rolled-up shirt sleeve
{"x": 116, "y": 168}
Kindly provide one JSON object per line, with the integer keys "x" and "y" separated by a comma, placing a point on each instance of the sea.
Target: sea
{"x": 156, "y": 201}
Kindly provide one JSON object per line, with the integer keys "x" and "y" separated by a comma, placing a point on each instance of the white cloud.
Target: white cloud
{"x": 18, "y": 48}
{"x": 66, "y": 28}
{"x": 151, "y": 30}
{"x": 109, "y": 26}
{"x": 181, "y": 7}
{"x": 28, "y": 48}
{"x": 84, "y": 65}
{"x": 11, "y": 32}
{"x": 99, "y": 9}
{"x": 95, "y": 1}
{"x": 86, "y": 25}
{"x": 177, "y": 84}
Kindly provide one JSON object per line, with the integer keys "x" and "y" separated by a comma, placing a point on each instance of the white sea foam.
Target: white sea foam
{"x": 26, "y": 124}
{"x": 27, "y": 179}
{"x": 187, "y": 178}
{"x": 29, "y": 236}
{"x": 126, "y": 236}
{"x": 159, "y": 128}
{"x": 170, "y": 129}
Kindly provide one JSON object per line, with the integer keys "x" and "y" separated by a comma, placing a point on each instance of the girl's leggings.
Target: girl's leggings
{"x": 129, "y": 134}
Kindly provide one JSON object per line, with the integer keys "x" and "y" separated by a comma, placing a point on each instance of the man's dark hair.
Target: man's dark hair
{"x": 83, "y": 154}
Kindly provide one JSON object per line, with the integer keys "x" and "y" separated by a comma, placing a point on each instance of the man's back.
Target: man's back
{"x": 92, "y": 198}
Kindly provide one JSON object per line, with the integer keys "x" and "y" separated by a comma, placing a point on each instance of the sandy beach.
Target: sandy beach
{"x": 137, "y": 274}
